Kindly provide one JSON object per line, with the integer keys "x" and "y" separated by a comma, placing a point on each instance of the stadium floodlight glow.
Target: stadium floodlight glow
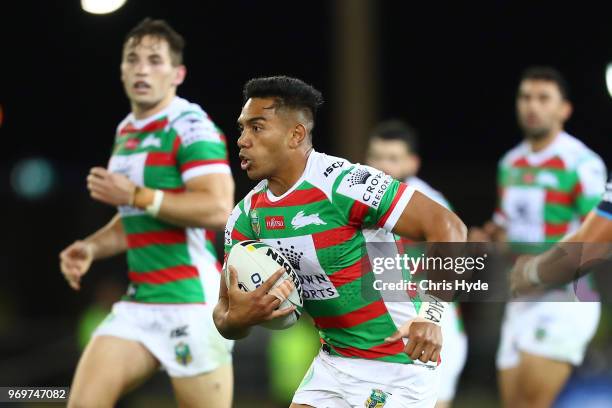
{"x": 101, "y": 6}
{"x": 33, "y": 178}
{"x": 609, "y": 78}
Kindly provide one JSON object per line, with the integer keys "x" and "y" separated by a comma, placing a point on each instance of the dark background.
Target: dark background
{"x": 448, "y": 69}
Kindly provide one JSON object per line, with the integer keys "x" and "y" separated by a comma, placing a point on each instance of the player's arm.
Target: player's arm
{"x": 76, "y": 259}
{"x": 206, "y": 203}
{"x": 201, "y": 158}
{"x": 423, "y": 218}
{"x": 375, "y": 199}
{"x": 236, "y": 311}
{"x": 569, "y": 260}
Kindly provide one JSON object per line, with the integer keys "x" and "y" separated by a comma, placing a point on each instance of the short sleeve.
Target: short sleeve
{"x": 371, "y": 197}
{"x": 590, "y": 185}
{"x": 238, "y": 228}
{"x": 604, "y": 209}
{"x": 499, "y": 217}
{"x": 202, "y": 148}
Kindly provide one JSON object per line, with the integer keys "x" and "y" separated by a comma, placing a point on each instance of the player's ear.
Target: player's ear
{"x": 299, "y": 135}
{"x": 566, "y": 110}
{"x": 181, "y": 73}
{"x": 416, "y": 159}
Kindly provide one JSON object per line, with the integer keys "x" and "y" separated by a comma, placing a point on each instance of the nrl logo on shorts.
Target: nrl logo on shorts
{"x": 255, "y": 223}
{"x": 183, "y": 353}
{"x": 377, "y": 399}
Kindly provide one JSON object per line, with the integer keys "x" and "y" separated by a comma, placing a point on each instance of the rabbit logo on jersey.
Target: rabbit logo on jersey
{"x": 302, "y": 256}
{"x": 366, "y": 185}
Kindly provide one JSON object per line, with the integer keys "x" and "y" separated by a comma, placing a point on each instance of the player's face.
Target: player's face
{"x": 540, "y": 108}
{"x": 393, "y": 157}
{"x": 147, "y": 72}
{"x": 264, "y": 136}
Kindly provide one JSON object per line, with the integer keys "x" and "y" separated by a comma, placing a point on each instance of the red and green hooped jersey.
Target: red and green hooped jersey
{"x": 169, "y": 264}
{"x": 453, "y": 321}
{"x": 319, "y": 226}
{"x": 544, "y": 195}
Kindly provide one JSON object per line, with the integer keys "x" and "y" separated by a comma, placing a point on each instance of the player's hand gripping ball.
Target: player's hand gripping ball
{"x": 255, "y": 262}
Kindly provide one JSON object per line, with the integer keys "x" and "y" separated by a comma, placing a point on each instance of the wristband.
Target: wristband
{"x": 153, "y": 208}
{"x": 531, "y": 270}
{"x": 432, "y": 309}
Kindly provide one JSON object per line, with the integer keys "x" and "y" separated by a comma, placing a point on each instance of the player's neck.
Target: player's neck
{"x": 290, "y": 173}
{"x": 146, "y": 111}
{"x": 541, "y": 144}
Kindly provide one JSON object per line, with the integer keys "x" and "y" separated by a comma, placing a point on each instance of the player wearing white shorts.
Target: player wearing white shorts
{"x": 315, "y": 208}
{"x": 546, "y": 185}
{"x": 169, "y": 177}
{"x": 394, "y": 148}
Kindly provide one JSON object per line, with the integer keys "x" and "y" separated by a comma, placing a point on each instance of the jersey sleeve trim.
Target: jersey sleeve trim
{"x": 400, "y": 201}
{"x": 603, "y": 213}
{"x": 214, "y": 167}
{"x": 604, "y": 209}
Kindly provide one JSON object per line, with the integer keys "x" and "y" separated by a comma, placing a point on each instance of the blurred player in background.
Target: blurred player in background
{"x": 314, "y": 208}
{"x": 169, "y": 177}
{"x": 393, "y": 148}
{"x": 546, "y": 185}
{"x": 553, "y": 267}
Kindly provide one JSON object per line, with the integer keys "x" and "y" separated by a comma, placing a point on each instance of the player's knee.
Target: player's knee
{"x": 87, "y": 398}
{"x": 82, "y": 401}
{"x": 88, "y": 402}
{"x": 536, "y": 395}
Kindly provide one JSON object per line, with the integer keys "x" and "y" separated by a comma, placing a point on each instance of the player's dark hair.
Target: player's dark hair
{"x": 544, "y": 73}
{"x": 159, "y": 29}
{"x": 395, "y": 129}
{"x": 289, "y": 93}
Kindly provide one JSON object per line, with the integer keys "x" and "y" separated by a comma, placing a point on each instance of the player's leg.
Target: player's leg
{"x": 508, "y": 386}
{"x": 197, "y": 358}
{"x": 556, "y": 341}
{"x": 540, "y": 380}
{"x": 454, "y": 356}
{"x": 320, "y": 387}
{"x": 213, "y": 389}
{"x": 508, "y": 355}
{"x": 109, "y": 367}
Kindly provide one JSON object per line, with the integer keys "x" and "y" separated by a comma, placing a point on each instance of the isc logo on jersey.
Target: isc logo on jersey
{"x": 365, "y": 184}
{"x": 329, "y": 170}
{"x": 255, "y": 262}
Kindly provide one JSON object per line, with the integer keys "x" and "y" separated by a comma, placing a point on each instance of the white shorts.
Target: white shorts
{"x": 454, "y": 354}
{"x": 557, "y": 330}
{"x": 339, "y": 382}
{"x": 182, "y": 337}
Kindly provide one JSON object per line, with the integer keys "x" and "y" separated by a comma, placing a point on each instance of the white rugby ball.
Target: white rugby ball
{"x": 255, "y": 262}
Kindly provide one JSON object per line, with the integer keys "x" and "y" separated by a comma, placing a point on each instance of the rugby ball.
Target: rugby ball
{"x": 255, "y": 262}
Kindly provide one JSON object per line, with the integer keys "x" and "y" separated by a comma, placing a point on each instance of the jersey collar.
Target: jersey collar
{"x": 309, "y": 162}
